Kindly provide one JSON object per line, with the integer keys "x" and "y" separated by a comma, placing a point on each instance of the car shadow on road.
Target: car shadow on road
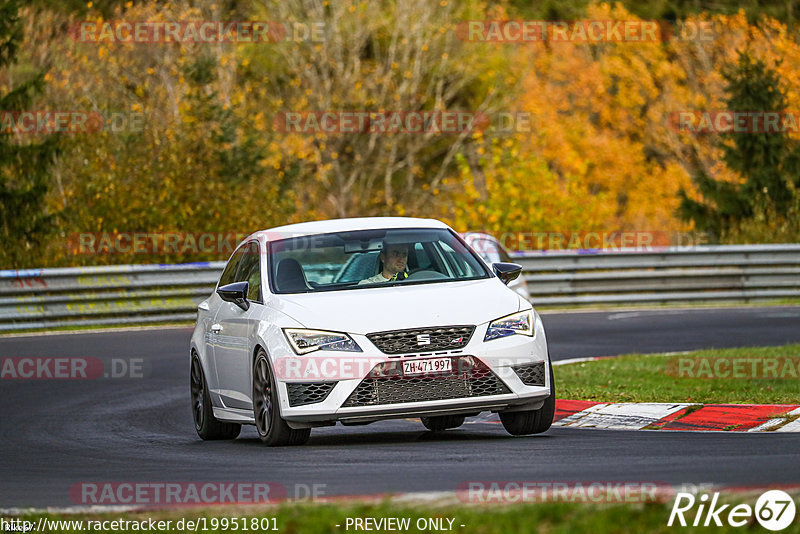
{"x": 393, "y": 438}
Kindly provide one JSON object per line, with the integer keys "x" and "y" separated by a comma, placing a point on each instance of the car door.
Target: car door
{"x": 212, "y": 333}
{"x": 235, "y": 329}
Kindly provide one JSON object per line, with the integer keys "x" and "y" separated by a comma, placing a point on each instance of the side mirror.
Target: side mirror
{"x": 507, "y": 271}
{"x": 236, "y": 293}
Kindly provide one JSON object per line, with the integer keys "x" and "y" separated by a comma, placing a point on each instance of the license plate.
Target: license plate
{"x": 423, "y": 367}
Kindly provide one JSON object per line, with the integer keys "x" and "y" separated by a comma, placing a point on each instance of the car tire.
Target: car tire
{"x": 437, "y": 423}
{"x": 532, "y": 421}
{"x": 272, "y": 429}
{"x": 207, "y": 426}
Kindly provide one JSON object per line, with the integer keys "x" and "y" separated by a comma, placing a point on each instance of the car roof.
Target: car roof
{"x": 344, "y": 225}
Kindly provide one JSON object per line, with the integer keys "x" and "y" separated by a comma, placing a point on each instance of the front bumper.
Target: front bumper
{"x": 499, "y": 357}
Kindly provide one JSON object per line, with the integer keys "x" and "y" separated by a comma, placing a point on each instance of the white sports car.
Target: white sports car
{"x": 358, "y": 320}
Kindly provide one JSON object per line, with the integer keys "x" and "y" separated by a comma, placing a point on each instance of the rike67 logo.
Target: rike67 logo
{"x": 774, "y": 510}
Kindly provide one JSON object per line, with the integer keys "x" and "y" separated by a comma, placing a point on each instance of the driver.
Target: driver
{"x": 394, "y": 259}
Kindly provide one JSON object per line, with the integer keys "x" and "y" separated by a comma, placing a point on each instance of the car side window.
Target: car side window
{"x": 250, "y": 271}
{"x": 504, "y": 255}
{"x": 479, "y": 246}
{"x": 229, "y": 273}
{"x": 492, "y": 251}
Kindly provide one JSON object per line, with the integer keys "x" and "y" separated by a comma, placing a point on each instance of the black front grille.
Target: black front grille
{"x": 422, "y": 339}
{"x": 470, "y": 378}
{"x": 301, "y": 393}
{"x": 531, "y": 374}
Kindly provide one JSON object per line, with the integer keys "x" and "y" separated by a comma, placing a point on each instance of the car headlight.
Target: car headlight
{"x": 516, "y": 323}
{"x": 304, "y": 341}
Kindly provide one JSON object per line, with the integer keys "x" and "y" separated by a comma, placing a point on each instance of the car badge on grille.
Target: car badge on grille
{"x": 424, "y": 339}
{"x": 457, "y": 341}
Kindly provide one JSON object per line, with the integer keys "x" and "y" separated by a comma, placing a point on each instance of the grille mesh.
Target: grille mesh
{"x": 405, "y": 341}
{"x": 301, "y": 393}
{"x": 470, "y": 378}
{"x": 531, "y": 374}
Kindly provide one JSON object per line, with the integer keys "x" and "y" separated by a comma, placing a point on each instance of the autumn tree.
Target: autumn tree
{"x": 194, "y": 151}
{"x": 380, "y": 57}
{"x": 24, "y": 162}
{"x": 767, "y": 161}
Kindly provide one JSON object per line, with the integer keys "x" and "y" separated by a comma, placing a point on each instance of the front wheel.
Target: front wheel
{"x": 272, "y": 429}
{"x": 206, "y": 425}
{"x": 532, "y": 421}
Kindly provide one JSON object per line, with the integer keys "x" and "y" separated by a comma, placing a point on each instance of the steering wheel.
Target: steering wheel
{"x": 426, "y": 275}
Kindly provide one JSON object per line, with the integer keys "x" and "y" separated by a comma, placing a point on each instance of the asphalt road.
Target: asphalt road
{"x": 56, "y": 433}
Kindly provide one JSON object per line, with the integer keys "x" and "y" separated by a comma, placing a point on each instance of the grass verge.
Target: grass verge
{"x": 716, "y": 376}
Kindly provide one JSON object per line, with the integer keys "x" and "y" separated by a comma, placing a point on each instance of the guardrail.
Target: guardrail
{"x": 135, "y": 294}
{"x": 669, "y": 275}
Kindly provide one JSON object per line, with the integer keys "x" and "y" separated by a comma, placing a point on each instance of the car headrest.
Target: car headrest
{"x": 290, "y": 276}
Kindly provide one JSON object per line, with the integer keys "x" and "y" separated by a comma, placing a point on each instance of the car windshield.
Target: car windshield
{"x": 370, "y": 258}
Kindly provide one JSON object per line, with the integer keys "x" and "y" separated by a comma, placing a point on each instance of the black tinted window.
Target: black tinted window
{"x": 250, "y": 271}
{"x": 229, "y": 273}
{"x": 349, "y": 260}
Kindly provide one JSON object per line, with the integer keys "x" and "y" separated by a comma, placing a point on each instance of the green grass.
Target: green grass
{"x": 652, "y": 378}
{"x": 552, "y": 518}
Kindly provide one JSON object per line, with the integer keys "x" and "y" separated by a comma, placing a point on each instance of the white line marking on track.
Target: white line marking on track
{"x": 622, "y": 416}
{"x": 769, "y": 424}
{"x": 793, "y": 426}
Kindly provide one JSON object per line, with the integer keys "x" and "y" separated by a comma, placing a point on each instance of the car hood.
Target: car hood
{"x": 361, "y": 311}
